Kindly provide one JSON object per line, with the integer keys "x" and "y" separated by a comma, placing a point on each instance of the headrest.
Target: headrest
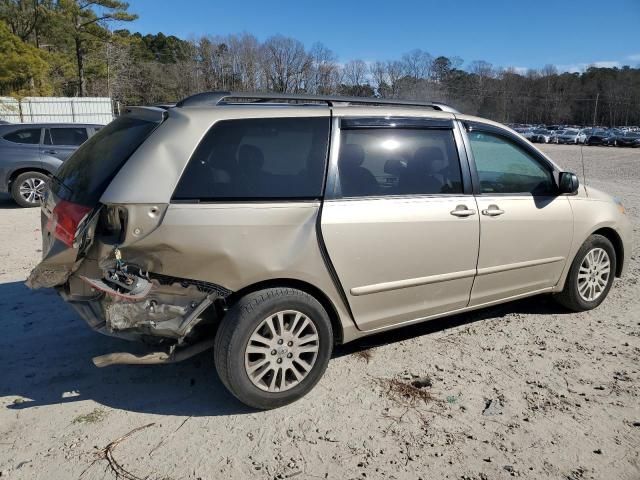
{"x": 428, "y": 153}
{"x": 427, "y": 159}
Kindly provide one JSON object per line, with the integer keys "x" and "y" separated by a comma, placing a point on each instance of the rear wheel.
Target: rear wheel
{"x": 28, "y": 189}
{"x": 273, "y": 346}
{"x": 591, "y": 275}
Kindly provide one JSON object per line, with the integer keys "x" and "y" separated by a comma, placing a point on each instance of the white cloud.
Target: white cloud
{"x": 634, "y": 58}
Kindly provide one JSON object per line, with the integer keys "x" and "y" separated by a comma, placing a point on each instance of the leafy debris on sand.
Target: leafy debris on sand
{"x": 95, "y": 416}
{"x": 405, "y": 392}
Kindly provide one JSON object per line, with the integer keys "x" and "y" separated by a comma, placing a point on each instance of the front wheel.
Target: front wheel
{"x": 591, "y": 275}
{"x": 273, "y": 346}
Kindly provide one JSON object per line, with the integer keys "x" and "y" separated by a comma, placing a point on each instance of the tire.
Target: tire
{"x": 571, "y": 296}
{"x": 245, "y": 321}
{"x": 29, "y": 185}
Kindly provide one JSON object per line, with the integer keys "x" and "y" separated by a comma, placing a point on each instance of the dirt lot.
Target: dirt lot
{"x": 524, "y": 389}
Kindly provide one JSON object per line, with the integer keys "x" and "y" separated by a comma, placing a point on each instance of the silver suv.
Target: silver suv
{"x": 29, "y": 152}
{"x": 273, "y": 227}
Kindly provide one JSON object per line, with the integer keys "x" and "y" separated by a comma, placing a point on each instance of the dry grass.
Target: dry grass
{"x": 95, "y": 416}
{"x": 405, "y": 393}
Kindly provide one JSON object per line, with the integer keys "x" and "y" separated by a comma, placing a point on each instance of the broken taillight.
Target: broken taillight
{"x": 65, "y": 220}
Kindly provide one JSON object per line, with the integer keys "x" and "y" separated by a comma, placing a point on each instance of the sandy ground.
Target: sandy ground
{"x": 521, "y": 390}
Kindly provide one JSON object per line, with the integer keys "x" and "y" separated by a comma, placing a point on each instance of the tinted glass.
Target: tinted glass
{"x": 65, "y": 136}
{"x": 266, "y": 158}
{"x": 504, "y": 167}
{"x": 88, "y": 172}
{"x": 29, "y": 136}
{"x": 379, "y": 162}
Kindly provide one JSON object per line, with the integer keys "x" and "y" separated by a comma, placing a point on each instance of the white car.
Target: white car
{"x": 583, "y": 134}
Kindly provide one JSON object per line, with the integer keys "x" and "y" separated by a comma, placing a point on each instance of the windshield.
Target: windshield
{"x": 84, "y": 177}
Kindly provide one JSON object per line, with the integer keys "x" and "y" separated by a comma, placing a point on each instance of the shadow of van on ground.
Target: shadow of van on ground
{"x": 46, "y": 352}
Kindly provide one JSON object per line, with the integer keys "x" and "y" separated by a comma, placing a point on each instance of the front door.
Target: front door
{"x": 526, "y": 227}
{"x": 399, "y": 223}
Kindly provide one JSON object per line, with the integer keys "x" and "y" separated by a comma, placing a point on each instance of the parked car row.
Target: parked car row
{"x": 614, "y": 137}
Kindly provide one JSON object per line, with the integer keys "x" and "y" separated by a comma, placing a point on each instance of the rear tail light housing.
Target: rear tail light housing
{"x": 65, "y": 221}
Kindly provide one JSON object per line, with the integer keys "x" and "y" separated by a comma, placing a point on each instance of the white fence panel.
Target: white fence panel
{"x": 92, "y": 110}
{"x": 46, "y": 109}
{"x": 57, "y": 109}
{"x": 9, "y": 109}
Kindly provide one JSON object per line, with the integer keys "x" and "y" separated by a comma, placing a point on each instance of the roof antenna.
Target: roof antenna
{"x": 584, "y": 171}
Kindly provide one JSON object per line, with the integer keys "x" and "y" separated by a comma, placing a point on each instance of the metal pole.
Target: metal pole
{"x": 595, "y": 109}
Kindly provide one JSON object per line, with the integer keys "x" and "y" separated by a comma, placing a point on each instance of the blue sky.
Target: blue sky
{"x": 511, "y": 33}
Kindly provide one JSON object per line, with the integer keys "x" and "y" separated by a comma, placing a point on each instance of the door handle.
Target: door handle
{"x": 52, "y": 152}
{"x": 492, "y": 211}
{"x": 462, "y": 211}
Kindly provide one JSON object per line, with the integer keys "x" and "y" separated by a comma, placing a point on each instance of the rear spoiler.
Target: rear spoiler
{"x": 152, "y": 114}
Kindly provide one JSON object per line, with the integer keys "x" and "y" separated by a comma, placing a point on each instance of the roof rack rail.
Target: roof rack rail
{"x": 221, "y": 98}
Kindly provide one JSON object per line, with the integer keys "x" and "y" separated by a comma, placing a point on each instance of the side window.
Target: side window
{"x": 504, "y": 167}
{"x": 65, "y": 136}
{"x": 30, "y": 136}
{"x": 265, "y": 158}
{"x": 381, "y": 162}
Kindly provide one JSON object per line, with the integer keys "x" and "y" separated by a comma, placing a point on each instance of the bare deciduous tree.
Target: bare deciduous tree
{"x": 285, "y": 64}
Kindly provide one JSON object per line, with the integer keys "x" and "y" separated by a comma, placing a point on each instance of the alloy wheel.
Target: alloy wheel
{"x": 32, "y": 190}
{"x": 281, "y": 351}
{"x": 593, "y": 274}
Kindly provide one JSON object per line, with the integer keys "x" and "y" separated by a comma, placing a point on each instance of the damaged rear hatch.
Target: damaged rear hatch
{"x": 71, "y": 207}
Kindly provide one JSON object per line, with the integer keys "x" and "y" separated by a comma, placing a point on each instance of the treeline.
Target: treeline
{"x": 71, "y": 48}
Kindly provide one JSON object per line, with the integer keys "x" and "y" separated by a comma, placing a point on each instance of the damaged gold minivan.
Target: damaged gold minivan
{"x": 273, "y": 227}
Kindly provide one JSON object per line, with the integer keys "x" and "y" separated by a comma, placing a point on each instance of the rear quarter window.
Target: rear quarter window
{"x": 84, "y": 177}
{"x": 266, "y": 158}
{"x": 25, "y": 136}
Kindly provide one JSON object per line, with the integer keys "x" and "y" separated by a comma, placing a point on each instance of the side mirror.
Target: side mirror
{"x": 568, "y": 183}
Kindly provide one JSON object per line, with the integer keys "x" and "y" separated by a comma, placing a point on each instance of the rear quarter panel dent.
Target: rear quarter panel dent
{"x": 238, "y": 245}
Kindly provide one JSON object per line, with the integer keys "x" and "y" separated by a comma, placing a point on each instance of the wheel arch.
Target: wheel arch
{"x": 315, "y": 292}
{"x": 611, "y": 235}
{"x": 19, "y": 171}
